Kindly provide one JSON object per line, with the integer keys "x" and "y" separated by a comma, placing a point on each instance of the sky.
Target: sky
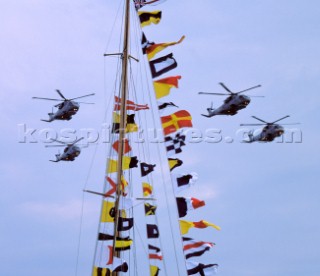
{"x": 264, "y": 196}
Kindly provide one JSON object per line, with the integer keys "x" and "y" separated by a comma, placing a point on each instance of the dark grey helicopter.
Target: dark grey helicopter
{"x": 231, "y": 104}
{"x": 269, "y": 132}
{"x": 70, "y": 152}
{"x": 66, "y": 109}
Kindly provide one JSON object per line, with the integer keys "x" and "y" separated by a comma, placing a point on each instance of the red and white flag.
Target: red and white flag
{"x": 130, "y": 105}
{"x": 192, "y": 248}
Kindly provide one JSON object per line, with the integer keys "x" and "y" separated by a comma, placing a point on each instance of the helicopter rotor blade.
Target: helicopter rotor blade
{"x": 209, "y": 93}
{"x": 253, "y": 87}
{"x": 280, "y": 119}
{"x": 50, "y": 146}
{"x": 76, "y": 141}
{"x": 259, "y": 119}
{"x": 226, "y": 88}
{"x": 290, "y": 124}
{"x": 256, "y": 96}
{"x": 252, "y": 124}
{"x": 38, "y": 98}
{"x": 59, "y": 92}
{"x": 82, "y": 96}
{"x": 54, "y": 140}
{"x": 85, "y": 103}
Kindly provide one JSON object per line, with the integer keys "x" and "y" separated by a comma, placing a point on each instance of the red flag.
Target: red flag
{"x": 126, "y": 146}
{"x": 130, "y": 105}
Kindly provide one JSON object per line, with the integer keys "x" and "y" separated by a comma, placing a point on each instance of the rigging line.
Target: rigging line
{"x": 112, "y": 28}
{"x": 151, "y": 91}
{"x": 148, "y": 153}
{"x": 82, "y": 211}
{"x": 148, "y": 179}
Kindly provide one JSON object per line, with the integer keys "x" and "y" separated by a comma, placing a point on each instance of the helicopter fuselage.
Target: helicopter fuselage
{"x": 65, "y": 111}
{"x": 231, "y": 106}
{"x": 69, "y": 154}
{"x": 268, "y": 133}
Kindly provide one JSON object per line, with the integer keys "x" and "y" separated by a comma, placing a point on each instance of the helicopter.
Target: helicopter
{"x": 66, "y": 109}
{"x": 269, "y": 132}
{"x": 70, "y": 152}
{"x": 231, "y": 104}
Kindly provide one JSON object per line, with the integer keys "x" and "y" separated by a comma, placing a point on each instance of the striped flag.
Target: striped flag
{"x": 154, "y": 253}
{"x": 146, "y": 18}
{"x": 192, "y": 248}
{"x": 202, "y": 269}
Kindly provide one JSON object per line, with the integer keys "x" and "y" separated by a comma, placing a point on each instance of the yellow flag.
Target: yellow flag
{"x": 97, "y": 271}
{"x": 107, "y": 214}
{"x": 185, "y": 226}
{"x": 154, "y": 270}
{"x": 127, "y": 163}
{"x": 162, "y": 87}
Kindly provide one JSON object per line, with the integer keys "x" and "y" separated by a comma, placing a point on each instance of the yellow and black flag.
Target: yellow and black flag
{"x": 150, "y": 210}
{"x": 131, "y": 126}
{"x": 174, "y": 163}
{"x": 127, "y": 163}
{"x": 146, "y": 18}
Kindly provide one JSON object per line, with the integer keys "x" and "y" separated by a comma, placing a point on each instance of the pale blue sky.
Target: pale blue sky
{"x": 265, "y": 197}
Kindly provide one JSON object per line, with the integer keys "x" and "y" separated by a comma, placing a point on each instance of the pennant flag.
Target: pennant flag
{"x": 152, "y": 50}
{"x": 162, "y": 65}
{"x": 147, "y": 189}
{"x": 152, "y": 231}
{"x": 154, "y": 253}
{"x": 125, "y": 224}
{"x": 186, "y": 204}
{"x": 122, "y": 244}
{"x": 202, "y": 269}
{"x": 146, "y": 18}
{"x": 174, "y": 143}
{"x": 192, "y": 248}
{"x": 181, "y": 182}
{"x": 175, "y": 121}
{"x": 146, "y": 168}
{"x": 162, "y": 87}
{"x": 130, "y": 105}
{"x": 126, "y": 146}
{"x": 130, "y": 125}
{"x": 149, "y": 209}
{"x": 127, "y": 163}
{"x": 154, "y": 270}
{"x": 186, "y": 225}
{"x": 174, "y": 163}
{"x": 162, "y": 106}
{"x": 108, "y": 213}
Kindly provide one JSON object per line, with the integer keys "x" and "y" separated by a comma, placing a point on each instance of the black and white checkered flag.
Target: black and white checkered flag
{"x": 174, "y": 143}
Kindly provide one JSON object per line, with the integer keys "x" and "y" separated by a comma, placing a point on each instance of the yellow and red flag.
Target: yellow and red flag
{"x": 175, "y": 121}
{"x": 162, "y": 87}
{"x": 186, "y": 225}
{"x": 152, "y": 50}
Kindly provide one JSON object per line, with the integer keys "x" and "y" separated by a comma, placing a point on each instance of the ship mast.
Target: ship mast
{"x": 123, "y": 121}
